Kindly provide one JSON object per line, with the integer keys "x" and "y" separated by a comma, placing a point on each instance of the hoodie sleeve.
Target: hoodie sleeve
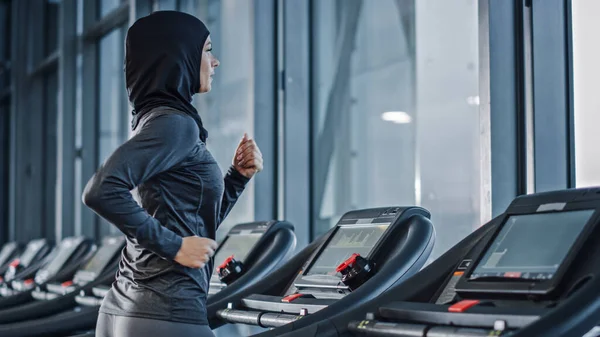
{"x": 162, "y": 142}
{"x": 235, "y": 183}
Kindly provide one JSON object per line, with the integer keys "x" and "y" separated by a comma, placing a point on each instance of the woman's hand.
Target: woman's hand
{"x": 195, "y": 251}
{"x": 248, "y": 158}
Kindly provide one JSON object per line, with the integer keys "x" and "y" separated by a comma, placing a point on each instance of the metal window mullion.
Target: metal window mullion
{"x": 89, "y": 149}
{"x": 296, "y": 123}
{"x": 65, "y": 161}
{"x": 96, "y": 29}
{"x": 552, "y": 94}
{"x": 265, "y": 106}
{"x": 506, "y": 99}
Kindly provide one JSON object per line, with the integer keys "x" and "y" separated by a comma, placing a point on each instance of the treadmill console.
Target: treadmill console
{"x": 70, "y": 250}
{"x": 536, "y": 255}
{"x": 338, "y": 256}
{"x": 9, "y": 251}
{"x": 233, "y": 250}
{"x": 105, "y": 257}
{"x": 529, "y": 254}
{"x": 34, "y": 251}
{"x": 107, "y": 253}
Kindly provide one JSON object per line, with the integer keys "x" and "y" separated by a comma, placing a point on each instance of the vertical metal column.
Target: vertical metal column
{"x": 89, "y": 149}
{"x": 552, "y": 95}
{"x": 296, "y": 123}
{"x": 65, "y": 161}
{"x": 265, "y": 106}
{"x": 507, "y": 106}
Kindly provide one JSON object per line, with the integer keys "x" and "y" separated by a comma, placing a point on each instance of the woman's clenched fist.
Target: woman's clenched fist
{"x": 195, "y": 251}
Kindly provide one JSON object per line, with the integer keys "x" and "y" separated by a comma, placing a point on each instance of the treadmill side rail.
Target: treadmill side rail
{"x": 484, "y": 316}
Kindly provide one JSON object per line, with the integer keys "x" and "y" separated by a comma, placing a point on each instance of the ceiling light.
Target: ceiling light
{"x": 398, "y": 117}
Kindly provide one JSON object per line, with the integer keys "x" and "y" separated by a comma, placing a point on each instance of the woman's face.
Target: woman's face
{"x": 207, "y": 66}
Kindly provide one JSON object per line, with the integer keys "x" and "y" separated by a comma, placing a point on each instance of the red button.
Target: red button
{"x": 462, "y": 306}
{"x": 290, "y": 298}
{"x": 15, "y": 263}
{"x": 349, "y": 262}
{"x": 67, "y": 284}
{"x": 224, "y": 264}
{"x": 28, "y": 281}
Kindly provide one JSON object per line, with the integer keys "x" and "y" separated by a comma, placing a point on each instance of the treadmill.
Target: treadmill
{"x": 60, "y": 296}
{"x": 262, "y": 246}
{"x": 533, "y": 271}
{"x": 59, "y": 265}
{"x": 34, "y": 257}
{"x": 367, "y": 252}
{"x": 9, "y": 252}
{"x": 265, "y": 245}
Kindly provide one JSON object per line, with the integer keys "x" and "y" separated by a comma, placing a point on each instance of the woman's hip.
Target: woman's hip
{"x": 109, "y": 325}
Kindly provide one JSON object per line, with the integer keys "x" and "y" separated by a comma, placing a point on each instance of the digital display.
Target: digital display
{"x": 238, "y": 245}
{"x": 7, "y": 251}
{"x": 102, "y": 257}
{"x": 346, "y": 241}
{"x": 531, "y": 246}
{"x": 30, "y": 252}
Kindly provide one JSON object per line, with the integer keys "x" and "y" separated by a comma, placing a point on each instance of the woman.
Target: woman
{"x": 163, "y": 278}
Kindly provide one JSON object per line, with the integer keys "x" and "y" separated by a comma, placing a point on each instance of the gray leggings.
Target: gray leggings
{"x": 122, "y": 326}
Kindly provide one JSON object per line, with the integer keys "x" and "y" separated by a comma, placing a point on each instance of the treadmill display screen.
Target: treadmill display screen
{"x": 62, "y": 256}
{"x": 238, "y": 245}
{"x": 531, "y": 246}
{"x": 102, "y": 257}
{"x": 30, "y": 252}
{"x": 346, "y": 241}
{"x": 6, "y": 252}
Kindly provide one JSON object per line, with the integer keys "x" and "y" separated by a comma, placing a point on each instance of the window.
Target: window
{"x": 586, "y": 102}
{"x": 395, "y": 114}
{"x": 113, "y": 114}
{"x": 106, "y": 6}
{"x": 227, "y": 111}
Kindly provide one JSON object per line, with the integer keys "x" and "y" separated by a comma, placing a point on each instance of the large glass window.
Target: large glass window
{"x": 227, "y": 111}
{"x": 106, "y": 6}
{"x": 113, "y": 113}
{"x": 586, "y": 71}
{"x": 395, "y": 114}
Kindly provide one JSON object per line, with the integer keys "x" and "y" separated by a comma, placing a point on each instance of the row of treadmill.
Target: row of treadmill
{"x": 532, "y": 271}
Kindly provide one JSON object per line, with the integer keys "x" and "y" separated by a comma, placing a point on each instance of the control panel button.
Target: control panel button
{"x": 463, "y": 305}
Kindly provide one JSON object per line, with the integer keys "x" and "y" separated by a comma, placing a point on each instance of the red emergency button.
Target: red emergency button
{"x": 15, "y": 263}
{"x": 462, "y": 306}
{"x": 224, "y": 264}
{"x": 67, "y": 284}
{"x": 28, "y": 281}
{"x": 349, "y": 262}
{"x": 290, "y": 298}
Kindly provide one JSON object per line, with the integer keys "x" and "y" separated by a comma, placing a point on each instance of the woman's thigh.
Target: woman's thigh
{"x": 104, "y": 325}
